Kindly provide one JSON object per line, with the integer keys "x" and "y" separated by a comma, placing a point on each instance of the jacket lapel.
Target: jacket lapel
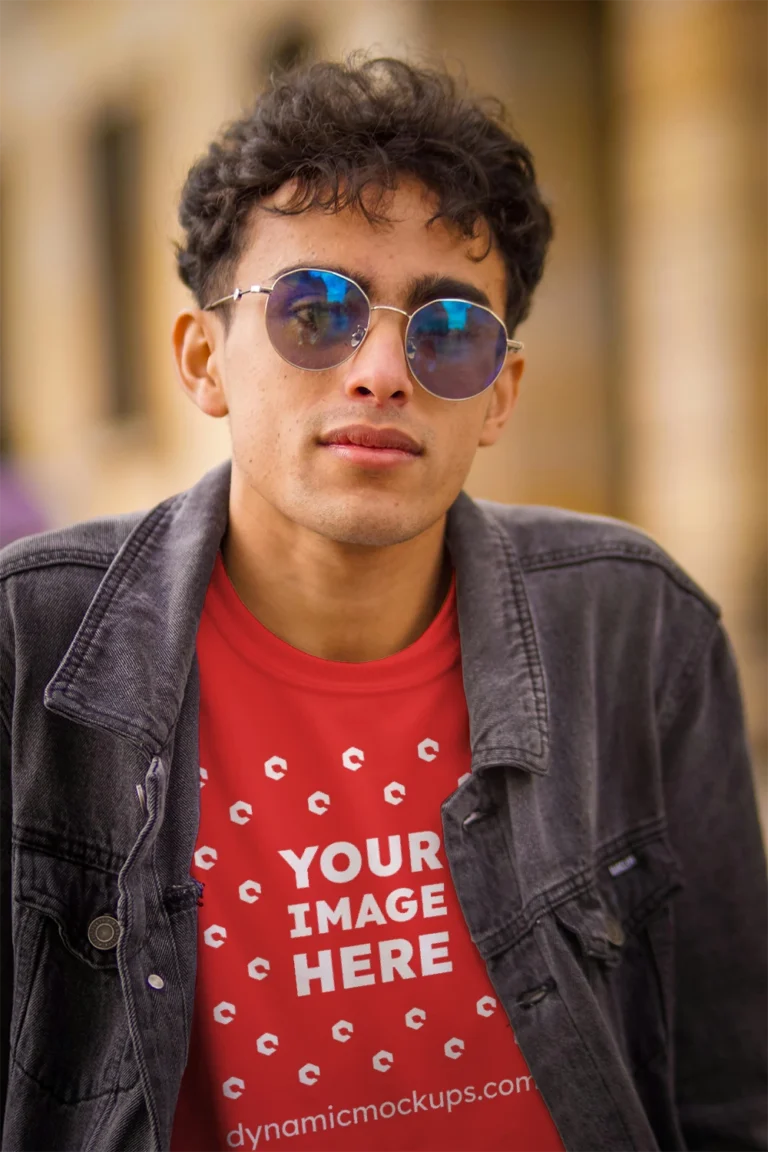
{"x": 127, "y": 667}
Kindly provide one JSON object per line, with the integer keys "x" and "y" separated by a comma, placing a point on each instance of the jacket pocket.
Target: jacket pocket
{"x": 69, "y": 1029}
{"x": 621, "y": 930}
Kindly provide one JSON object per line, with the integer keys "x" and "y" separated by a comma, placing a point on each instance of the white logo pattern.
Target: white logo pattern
{"x": 415, "y": 1018}
{"x": 319, "y": 802}
{"x": 267, "y": 1044}
{"x": 275, "y": 767}
{"x": 240, "y": 812}
{"x": 215, "y": 936}
{"x": 249, "y": 891}
{"x": 233, "y": 1088}
{"x": 224, "y": 1013}
{"x": 428, "y": 749}
{"x": 394, "y": 793}
{"x": 258, "y": 969}
{"x": 206, "y": 857}
{"x": 352, "y": 758}
{"x": 342, "y": 1031}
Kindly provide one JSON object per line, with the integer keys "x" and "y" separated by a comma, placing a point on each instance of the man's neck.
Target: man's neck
{"x": 335, "y": 601}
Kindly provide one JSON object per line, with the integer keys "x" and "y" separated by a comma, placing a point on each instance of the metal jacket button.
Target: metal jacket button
{"x": 104, "y": 932}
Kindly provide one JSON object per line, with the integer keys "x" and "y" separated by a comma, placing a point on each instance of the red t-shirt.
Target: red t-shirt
{"x": 340, "y": 1003}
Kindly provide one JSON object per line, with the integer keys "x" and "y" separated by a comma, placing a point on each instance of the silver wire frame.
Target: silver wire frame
{"x": 512, "y": 345}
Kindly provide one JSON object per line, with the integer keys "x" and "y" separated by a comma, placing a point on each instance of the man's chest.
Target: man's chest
{"x": 338, "y": 985}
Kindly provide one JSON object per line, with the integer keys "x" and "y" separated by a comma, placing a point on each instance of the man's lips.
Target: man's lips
{"x": 368, "y": 436}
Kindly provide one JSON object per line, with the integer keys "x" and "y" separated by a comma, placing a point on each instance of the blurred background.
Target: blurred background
{"x": 645, "y": 391}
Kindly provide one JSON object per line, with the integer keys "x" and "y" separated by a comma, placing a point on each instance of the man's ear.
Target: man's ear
{"x": 503, "y": 398}
{"x": 197, "y": 344}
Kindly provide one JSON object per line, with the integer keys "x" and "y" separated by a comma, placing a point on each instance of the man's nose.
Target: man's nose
{"x": 379, "y": 367}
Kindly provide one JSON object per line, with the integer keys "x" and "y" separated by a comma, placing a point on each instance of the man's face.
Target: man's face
{"x": 279, "y": 415}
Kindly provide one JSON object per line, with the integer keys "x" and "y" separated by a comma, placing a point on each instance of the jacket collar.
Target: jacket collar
{"x": 128, "y": 665}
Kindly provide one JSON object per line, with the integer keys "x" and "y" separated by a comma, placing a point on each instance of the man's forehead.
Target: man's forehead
{"x": 400, "y": 254}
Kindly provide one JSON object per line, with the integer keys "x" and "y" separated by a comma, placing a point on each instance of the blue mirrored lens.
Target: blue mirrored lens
{"x": 316, "y": 319}
{"x": 455, "y": 349}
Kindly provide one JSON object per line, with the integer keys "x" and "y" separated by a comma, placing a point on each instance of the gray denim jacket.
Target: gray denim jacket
{"x": 605, "y": 849}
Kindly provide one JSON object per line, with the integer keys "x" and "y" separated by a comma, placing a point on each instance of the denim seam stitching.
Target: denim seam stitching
{"x": 29, "y": 934}
{"x": 641, "y": 834}
{"x": 129, "y": 998}
{"x": 49, "y": 913}
{"x": 525, "y": 755}
{"x": 89, "y": 713}
{"x": 551, "y": 898}
{"x": 56, "y": 1096}
{"x": 142, "y": 536}
{"x": 101, "y": 1119}
{"x": 528, "y": 635}
{"x": 55, "y": 559}
{"x": 164, "y": 912}
{"x": 628, "y": 553}
{"x": 22, "y": 840}
{"x": 5, "y": 717}
{"x": 509, "y": 933}
{"x": 598, "y": 1069}
{"x": 677, "y": 692}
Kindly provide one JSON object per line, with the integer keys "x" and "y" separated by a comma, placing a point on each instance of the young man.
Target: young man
{"x": 335, "y": 803}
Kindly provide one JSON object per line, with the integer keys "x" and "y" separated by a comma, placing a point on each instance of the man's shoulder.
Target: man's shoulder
{"x": 47, "y": 582}
{"x": 546, "y": 538}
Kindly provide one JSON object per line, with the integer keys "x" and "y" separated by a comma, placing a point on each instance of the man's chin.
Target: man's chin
{"x": 367, "y": 533}
{"x": 368, "y": 523}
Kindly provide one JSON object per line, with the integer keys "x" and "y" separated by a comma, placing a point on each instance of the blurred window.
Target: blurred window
{"x": 117, "y": 155}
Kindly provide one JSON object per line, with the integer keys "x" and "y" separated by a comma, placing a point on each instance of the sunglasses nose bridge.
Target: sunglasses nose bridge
{"x": 388, "y": 308}
{"x": 384, "y": 308}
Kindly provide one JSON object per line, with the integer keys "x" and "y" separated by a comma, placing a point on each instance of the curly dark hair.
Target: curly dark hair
{"x": 340, "y": 129}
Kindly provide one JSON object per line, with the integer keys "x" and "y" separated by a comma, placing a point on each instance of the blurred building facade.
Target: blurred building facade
{"x": 645, "y": 393}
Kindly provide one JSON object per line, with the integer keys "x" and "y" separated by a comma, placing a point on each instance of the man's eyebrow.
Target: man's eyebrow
{"x": 418, "y": 289}
{"x": 431, "y": 286}
{"x": 360, "y": 278}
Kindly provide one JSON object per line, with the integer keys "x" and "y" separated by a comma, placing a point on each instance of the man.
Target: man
{"x": 341, "y": 803}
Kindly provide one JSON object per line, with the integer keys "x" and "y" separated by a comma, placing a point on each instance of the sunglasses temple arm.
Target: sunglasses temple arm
{"x": 236, "y": 295}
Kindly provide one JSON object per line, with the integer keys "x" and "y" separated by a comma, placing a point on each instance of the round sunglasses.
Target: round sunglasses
{"x": 317, "y": 320}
